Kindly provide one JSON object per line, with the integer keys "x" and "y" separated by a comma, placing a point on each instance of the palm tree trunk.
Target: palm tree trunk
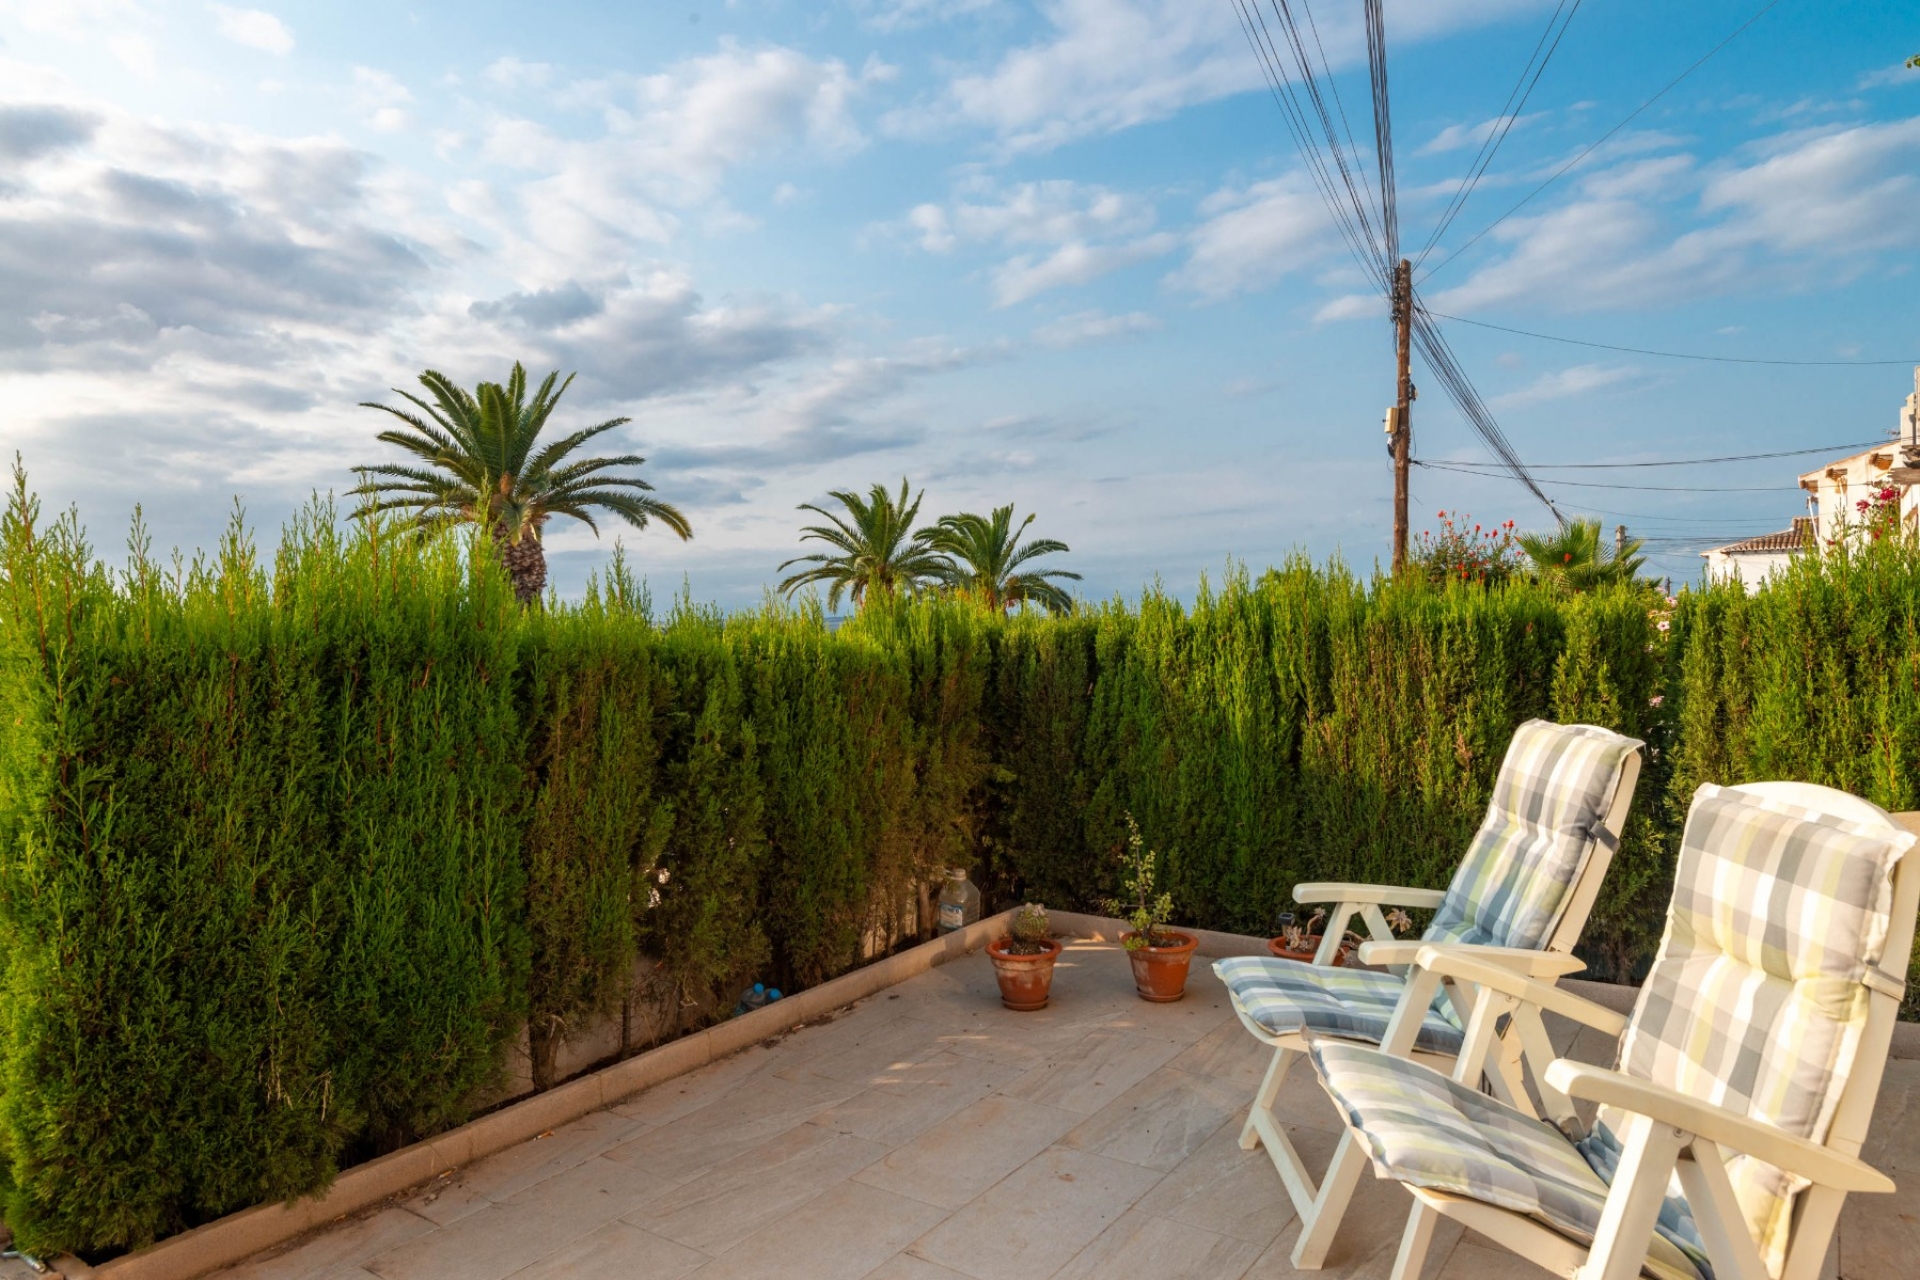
{"x": 525, "y": 562}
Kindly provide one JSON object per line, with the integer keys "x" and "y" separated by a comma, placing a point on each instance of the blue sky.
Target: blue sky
{"x": 1062, "y": 255}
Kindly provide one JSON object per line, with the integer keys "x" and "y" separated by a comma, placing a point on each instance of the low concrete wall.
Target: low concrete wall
{"x": 240, "y": 1235}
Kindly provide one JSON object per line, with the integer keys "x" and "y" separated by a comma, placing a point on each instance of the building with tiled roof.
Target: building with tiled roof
{"x": 1835, "y": 492}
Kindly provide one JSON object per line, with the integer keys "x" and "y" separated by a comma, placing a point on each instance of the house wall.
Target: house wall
{"x": 1752, "y": 569}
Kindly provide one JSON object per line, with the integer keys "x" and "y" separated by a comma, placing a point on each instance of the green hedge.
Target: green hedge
{"x": 292, "y": 852}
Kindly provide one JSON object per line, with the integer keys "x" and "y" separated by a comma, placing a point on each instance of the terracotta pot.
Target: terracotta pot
{"x": 1025, "y": 981}
{"x": 1160, "y": 973}
{"x": 1279, "y": 948}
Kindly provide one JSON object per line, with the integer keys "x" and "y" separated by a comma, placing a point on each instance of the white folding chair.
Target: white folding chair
{"x": 1520, "y": 898}
{"x": 1729, "y": 1130}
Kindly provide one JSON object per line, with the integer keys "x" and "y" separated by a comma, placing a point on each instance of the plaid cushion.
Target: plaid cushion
{"x": 1758, "y": 994}
{"x": 1287, "y": 996}
{"x": 1554, "y": 790}
{"x": 1421, "y": 1128}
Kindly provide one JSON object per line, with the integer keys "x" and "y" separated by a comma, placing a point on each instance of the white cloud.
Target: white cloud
{"x": 135, "y": 52}
{"x": 1455, "y": 137}
{"x": 1073, "y": 263}
{"x": 1093, "y": 326}
{"x": 1110, "y": 64}
{"x": 1580, "y": 380}
{"x": 1800, "y": 210}
{"x": 381, "y": 95}
{"x": 510, "y": 72}
{"x": 901, "y": 15}
{"x": 1047, "y": 212}
{"x": 1253, "y": 236}
{"x": 254, "y": 28}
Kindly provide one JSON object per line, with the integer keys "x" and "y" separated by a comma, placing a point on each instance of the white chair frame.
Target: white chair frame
{"x": 1322, "y": 1205}
{"x": 1669, "y": 1132}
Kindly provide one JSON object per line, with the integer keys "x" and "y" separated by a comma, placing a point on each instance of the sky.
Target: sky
{"x": 1062, "y": 255}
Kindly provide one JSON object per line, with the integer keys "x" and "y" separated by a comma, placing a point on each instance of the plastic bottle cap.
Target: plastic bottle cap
{"x": 957, "y": 873}
{"x": 759, "y": 988}
{"x": 774, "y": 994}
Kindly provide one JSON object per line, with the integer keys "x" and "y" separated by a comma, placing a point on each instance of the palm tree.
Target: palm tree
{"x": 1575, "y": 558}
{"x": 879, "y": 554}
{"x": 481, "y": 468}
{"x": 986, "y": 559}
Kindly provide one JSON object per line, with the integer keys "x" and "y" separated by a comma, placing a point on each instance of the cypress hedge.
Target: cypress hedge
{"x": 294, "y": 851}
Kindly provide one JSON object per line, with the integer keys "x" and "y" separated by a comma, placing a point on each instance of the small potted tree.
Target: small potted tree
{"x": 1302, "y": 941}
{"x": 1160, "y": 955}
{"x": 1023, "y": 960}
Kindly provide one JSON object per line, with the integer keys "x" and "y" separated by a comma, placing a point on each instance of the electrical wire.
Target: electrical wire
{"x": 1672, "y": 355}
{"x": 1649, "y": 488}
{"x": 1589, "y": 149}
{"x": 1684, "y": 462}
{"x": 1439, "y": 357}
{"x": 1503, "y": 122}
{"x": 1350, "y": 214}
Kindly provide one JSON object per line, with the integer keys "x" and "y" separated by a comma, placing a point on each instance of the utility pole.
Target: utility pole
{"x": 1402, "y": 422}
{"x": 1619, "y": 542}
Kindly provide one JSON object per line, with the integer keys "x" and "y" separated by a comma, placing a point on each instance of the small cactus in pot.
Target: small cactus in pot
{"x": 1023, "y": 960}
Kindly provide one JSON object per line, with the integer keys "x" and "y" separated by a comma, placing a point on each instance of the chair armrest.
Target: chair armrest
{"x": 1717, "y": 1125}
{"x": 1522, "y": 960}
{"x": 1377, "y": 894}
{"x": 1485, "y": 973}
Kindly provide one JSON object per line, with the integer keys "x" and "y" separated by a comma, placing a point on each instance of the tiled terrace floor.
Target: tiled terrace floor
{"x": 929, "y": 1134}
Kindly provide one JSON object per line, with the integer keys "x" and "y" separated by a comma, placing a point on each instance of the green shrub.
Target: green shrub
{"x": 291, "y": 853}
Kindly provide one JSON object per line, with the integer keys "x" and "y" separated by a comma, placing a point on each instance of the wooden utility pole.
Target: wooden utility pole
{"x": 1403, "y": 410}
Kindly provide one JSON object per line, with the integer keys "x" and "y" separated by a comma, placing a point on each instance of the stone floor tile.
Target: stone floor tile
{"x": 494, "y": 1242}
{"x": 338, "y": 1248}
{"x": 1472, "y": 1261}
{"x": 1144, "y": 1244}
{"x": 872, "y": 1052}
{"x": 1093, "y": 1070}
{"x": 498, "y": 1177}
{"x": 967, "y": 1153}
{"x": 1160, "y": 1121}
{"x": 1369, "y": 1236}
{"x": 682, "y": 1095}
{"x": 733, "y": 1200}
{"x": 845, "y": 1232}
{"x": 621, "y": 1185}
{"x": 617, "y": 1251}
{"x": 754, "y": 1112}
{"x": 1223, "y": 1189}
{"x": 1229, "y": 1052}
{"x": 904, "y": 1266}
{"x": 1038, "y": 1217}
{"x": 913, "y": 1100}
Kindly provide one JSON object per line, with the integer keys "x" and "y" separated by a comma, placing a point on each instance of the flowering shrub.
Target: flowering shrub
{"x": 1459, "y": 554}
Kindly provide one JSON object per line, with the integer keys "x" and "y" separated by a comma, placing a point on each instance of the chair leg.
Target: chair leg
{"x": 1318, "y": 1228}
{"x": 1415, "y": 1241}
{"x": 1648, "y": 1153}
{"x": 1263, "y": 1100}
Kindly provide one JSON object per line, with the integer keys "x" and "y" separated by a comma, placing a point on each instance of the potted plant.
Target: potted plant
{"x": 1023, "y": 960}
{"x": 1302, "y": 941}
{"x": 1160, "y": 955}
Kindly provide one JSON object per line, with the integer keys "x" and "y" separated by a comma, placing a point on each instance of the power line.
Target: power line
{"x": 1685, "y": 462}
{"x": 1446, "y": 366}
{"x": 1631, "y": 117}
{"x": 1504, "y": 122}
{"x": 1299, "y": 109}
{"x": 1650, "y": 488}
{"x": 1672, "y": 355}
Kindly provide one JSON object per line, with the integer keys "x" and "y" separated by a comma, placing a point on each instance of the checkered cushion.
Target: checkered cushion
{"x": 1554, "y": 790}
{"x": 1759, "y": 992}
{"x": 1287, "y": 996}
{"x": 1421, "y": 1128}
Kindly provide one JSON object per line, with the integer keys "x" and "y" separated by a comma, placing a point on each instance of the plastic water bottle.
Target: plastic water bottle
{"x": 755, "y": 997}
{"x": 773, "y": 993}
{"x": 959, "y": 902}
